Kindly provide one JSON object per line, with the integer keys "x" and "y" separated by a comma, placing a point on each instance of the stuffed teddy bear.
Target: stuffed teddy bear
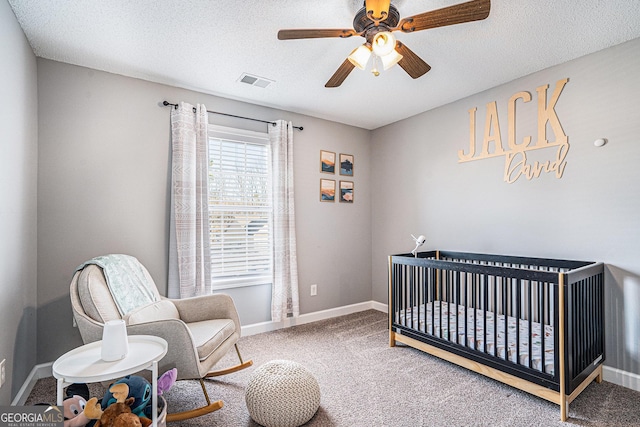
{"x": 117, "y": 414}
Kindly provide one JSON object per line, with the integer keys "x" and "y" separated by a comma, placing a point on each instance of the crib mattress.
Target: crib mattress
{"x": 477, "y": 335}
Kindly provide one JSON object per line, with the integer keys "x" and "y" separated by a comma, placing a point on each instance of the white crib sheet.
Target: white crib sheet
{"x": 417, "y": 314}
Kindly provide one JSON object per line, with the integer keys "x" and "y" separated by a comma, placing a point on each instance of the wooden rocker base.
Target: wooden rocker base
{"x": 236, "y": 368}
{"x": 185, "y": 415}
{"x": 192, "y": 413}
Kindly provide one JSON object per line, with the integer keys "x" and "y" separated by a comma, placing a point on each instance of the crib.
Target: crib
{"x": 536, "y": 324}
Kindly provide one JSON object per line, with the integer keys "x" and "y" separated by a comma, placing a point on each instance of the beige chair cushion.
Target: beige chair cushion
{"x": 159, "y": 310}
{"x": 95, "y": 296}
{"x": 208, "y": 335}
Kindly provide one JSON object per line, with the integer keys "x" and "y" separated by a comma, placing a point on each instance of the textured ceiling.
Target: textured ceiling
{"x": 206, "y": 45}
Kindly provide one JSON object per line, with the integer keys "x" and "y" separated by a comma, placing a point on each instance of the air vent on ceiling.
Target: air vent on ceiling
{"x": 252, "y": 80}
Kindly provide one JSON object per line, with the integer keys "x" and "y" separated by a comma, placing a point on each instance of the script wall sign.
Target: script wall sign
{"x": 516, "y": 163}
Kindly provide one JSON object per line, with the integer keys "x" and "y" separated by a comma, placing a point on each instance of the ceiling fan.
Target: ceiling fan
{"x": 376, "y": 22}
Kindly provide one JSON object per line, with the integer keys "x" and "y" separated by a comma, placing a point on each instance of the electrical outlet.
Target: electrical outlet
{"x": 314, "y": 290}
{"x": 2, "y": 373}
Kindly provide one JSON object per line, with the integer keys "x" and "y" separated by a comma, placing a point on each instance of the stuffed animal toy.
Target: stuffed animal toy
{"x": 167, "y": 380}
{"x": 74, "y": 404}
{"x": 128, "y": 420}
{"x": 138, "y": 389}
{"x": 92, "y": 410}
{"x": 117, "y": 414}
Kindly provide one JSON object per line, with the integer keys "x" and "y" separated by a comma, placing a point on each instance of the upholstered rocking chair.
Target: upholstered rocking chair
{"x": 199, "y": 330}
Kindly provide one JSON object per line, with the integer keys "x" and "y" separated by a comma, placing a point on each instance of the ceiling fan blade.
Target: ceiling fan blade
{"x": 474, "y": 10}
{"x": 314, "y": 33}
{"x": 410, "y": 62}
{"x": 341, "y": 73}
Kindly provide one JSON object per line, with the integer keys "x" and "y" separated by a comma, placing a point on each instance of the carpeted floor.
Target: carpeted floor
{"x": 364, "y": 382}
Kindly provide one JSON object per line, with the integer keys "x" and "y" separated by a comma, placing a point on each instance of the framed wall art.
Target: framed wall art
{"x": 346, "y": 164}
{"x": 327, "y": 161}
{"x": 346, "y": 191}
{"x": 327, "y": 190}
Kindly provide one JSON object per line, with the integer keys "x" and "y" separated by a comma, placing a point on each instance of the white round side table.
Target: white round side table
{"x": 85, "y": 365}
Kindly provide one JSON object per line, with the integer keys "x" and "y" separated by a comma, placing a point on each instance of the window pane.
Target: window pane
{"x": 240, "y": 209}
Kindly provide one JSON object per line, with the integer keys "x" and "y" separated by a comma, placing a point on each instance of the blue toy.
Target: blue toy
{"x": 139, "y": 389}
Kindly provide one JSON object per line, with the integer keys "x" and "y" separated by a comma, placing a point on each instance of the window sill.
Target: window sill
{"x": 239, "y": 284}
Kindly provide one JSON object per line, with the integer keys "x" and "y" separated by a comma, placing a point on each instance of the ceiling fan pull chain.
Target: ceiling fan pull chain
{"x": 374, "y": 67}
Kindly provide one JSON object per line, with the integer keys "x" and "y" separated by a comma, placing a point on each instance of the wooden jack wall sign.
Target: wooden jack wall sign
{"x": 516, "y": 163}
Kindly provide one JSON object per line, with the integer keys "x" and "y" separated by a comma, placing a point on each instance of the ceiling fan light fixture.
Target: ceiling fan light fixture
{"x": 383, "y": 43}
{"x": 360, "y": 56}
{"x": 390, "y": 59}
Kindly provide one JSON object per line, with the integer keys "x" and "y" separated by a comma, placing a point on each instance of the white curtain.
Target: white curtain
{"x": 189, "y": 254}
{"x": 284, "y": 299}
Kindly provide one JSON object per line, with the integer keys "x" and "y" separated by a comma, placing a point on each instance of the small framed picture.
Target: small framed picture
{"x": 327, "y": 190}
{"x": 327, "y": 161}
{"x": 346, "y": 191}
{"x": 346, "y": 164}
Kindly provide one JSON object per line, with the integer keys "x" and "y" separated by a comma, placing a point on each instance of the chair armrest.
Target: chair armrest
{"x": 181, "y": 353}
{"x": 208, "y": 307}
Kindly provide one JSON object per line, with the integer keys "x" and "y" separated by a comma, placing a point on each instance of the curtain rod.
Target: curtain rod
{"x": 165, "y": 103}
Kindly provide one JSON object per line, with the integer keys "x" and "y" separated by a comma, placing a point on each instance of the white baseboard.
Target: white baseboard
{"x": 622, "y": 378}
{"x": 43, "y": 370}
{"x": 258, "y": 328}
{"x": 380, "y": 306}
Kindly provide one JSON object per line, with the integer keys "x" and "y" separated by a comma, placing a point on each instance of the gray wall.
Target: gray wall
{"x": 104, "y": 145}
{"x": 591, "y": 213}
{"x": 18, "y": 168}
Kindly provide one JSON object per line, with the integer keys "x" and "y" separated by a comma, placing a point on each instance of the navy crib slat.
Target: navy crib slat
{"x": 530, "y": 315}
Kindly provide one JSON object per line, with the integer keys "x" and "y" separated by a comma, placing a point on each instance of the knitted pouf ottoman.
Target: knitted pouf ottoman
{"x": 282, "y": 393}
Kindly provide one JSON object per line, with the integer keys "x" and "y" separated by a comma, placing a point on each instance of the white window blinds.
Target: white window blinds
{"x": 239, "y": 207}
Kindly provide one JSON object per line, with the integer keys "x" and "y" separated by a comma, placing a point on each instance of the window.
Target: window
{"x": 240, "y": 207}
